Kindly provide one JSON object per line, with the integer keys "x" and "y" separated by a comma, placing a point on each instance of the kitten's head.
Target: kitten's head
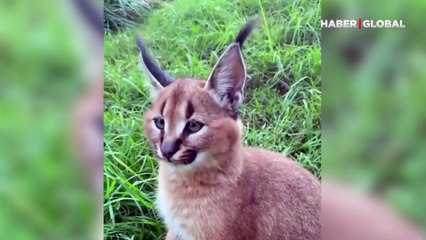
{"x": 193, "y": 122}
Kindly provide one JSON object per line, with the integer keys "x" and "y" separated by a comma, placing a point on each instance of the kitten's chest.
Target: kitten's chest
{"x": 190, "y": 218}
{"x": 176, "y": 216}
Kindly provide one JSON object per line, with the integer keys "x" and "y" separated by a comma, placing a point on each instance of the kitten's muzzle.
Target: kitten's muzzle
{"x": 169, "y": 147}
{"x": 187, "y": 157}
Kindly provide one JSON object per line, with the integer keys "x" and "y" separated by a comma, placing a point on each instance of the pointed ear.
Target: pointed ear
{"x": 158, "y": 79}
{"x": 226, "y": 83}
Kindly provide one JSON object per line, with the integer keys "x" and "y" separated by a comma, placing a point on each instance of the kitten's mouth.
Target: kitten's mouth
{"x": 187, "y": 157}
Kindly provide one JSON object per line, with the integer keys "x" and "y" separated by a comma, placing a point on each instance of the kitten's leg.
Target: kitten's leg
{"x": 171, "y": 236}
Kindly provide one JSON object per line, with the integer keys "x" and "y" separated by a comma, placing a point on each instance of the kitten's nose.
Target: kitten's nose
{"x": 170, "y": 147}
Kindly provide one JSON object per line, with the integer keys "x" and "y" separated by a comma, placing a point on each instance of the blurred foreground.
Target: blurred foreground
{"x": 49, "y": 57}
{"x": 374, "y": 135}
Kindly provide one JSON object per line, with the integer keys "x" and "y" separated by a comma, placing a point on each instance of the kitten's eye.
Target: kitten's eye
{"x": 159, "y": 123}
{"x": 194, "y": 126}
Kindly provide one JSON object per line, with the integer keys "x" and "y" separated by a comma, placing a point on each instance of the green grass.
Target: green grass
{"x": 281, "y": 111}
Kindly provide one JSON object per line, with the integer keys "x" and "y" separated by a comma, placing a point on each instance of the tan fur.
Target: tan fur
{"x": 230, "y": 191}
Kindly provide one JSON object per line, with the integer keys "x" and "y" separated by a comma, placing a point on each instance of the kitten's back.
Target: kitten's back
{"x": 282, "y": 198}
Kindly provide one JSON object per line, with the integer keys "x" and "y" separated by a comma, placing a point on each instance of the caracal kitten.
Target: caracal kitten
{"x": 210, "y": 186}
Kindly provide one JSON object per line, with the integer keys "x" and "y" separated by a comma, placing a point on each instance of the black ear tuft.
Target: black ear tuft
{"x": 245, "y": 32}
{"x": 154, "y": 72}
